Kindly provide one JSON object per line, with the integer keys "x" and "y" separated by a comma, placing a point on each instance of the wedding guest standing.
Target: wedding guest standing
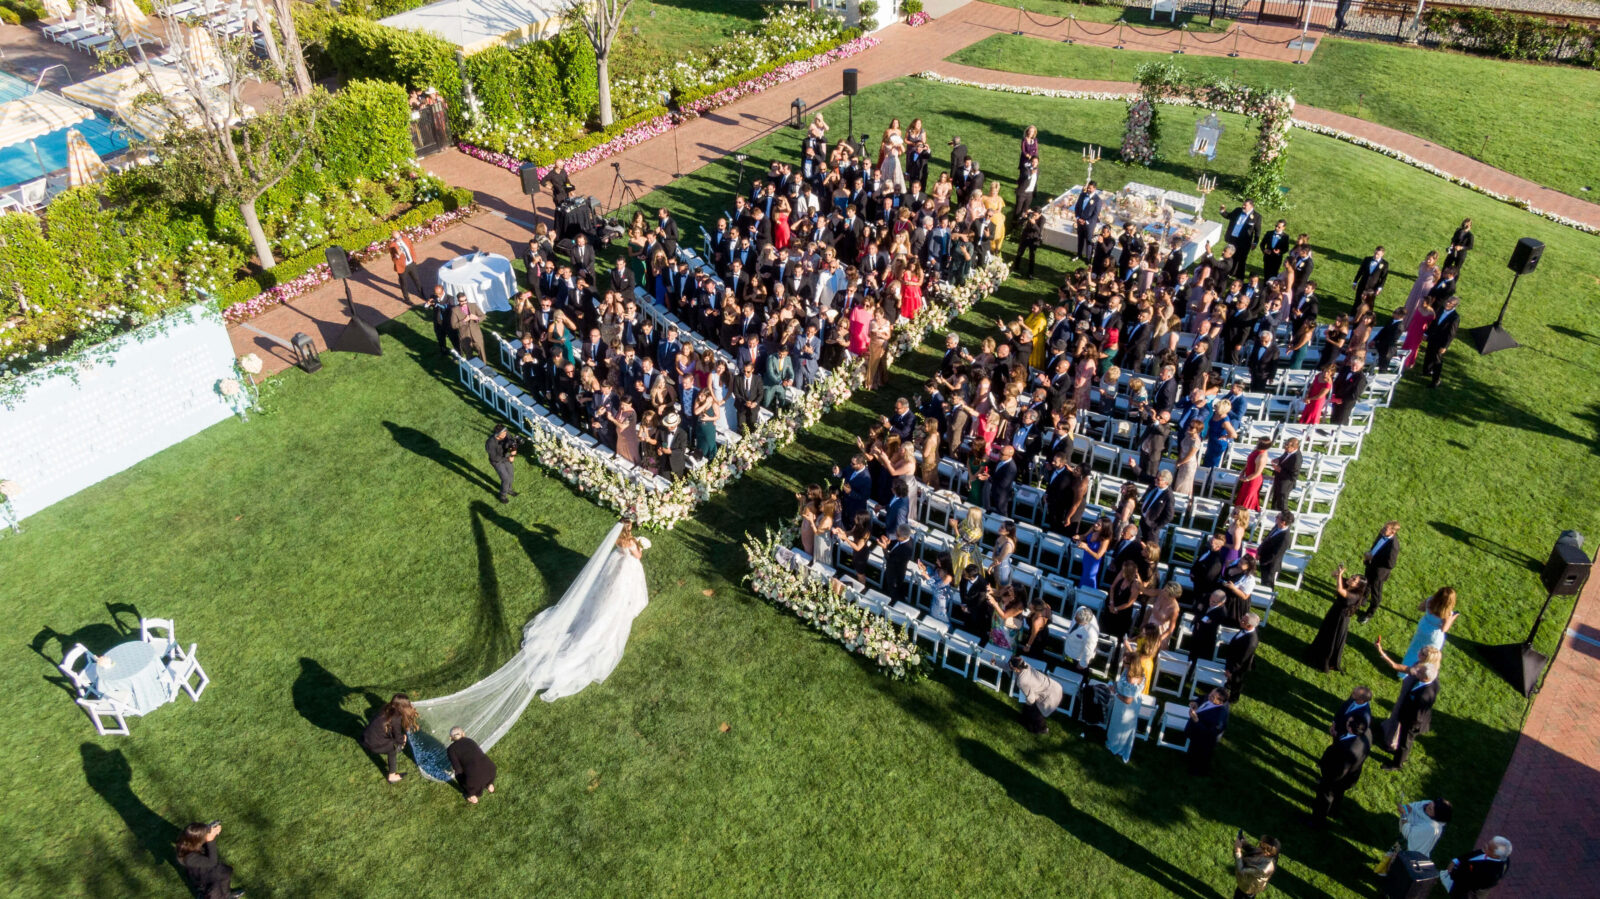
{"x": 1286, "y": 474}
{"x": 1124, "y": 723}
{"x": 1339, "y": 770}
{"x": 1441, "y": 334}
{"x": 1438, "y": 615}
{"x": 1239, "y": 657}
{"x": 474, "y": 770}
{"x": 1244, "y": 226}
{"x": 1086, "y": 217}
{"x": 209, "y": 877}
{"x": 1422, "y": 823}
{"x": 1480, "y": 872}
{"x": 502, "y": 452}
{"x": 1207, "y": 721}
{"x": 1427, "y": 276}
{"x": 1327, "y": 649}
{"x": 404, "y": 257}
{"x": 1380, "y": 561}
{"x": 1273, "y": 248}
{"x": 386, "y": 733}
{"x": 1460, "y": 244}
{"x": 1370, "y": 276}
{"x": 466, "y": 322}
{"x": 1412, "y": 714}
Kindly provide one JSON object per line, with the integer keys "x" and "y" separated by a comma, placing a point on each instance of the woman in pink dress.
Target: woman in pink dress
{"x": 1427, "y": 276}
{"x": 860, "y": 323}
{"x": 780, "y": 224}
{"x": 1248, "y": 494}
{"x": 911, "y": 291}
{"x": 1416, "y": 330}
{"x": 1317, "y": 395}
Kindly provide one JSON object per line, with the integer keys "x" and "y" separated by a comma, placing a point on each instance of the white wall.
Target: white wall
{"x": 153, "y": 387}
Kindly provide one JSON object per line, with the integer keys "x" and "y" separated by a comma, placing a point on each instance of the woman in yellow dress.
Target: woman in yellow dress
{"x": 997, "y": 216}
{"x": 968, "y": 535}
{"x": 1036, "y": 323}
{"x": 1143, "y": 652}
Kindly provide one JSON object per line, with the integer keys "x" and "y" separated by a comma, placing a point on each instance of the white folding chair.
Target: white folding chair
{"x": 1174, "y": 717}
{"x": 1170, "y": 664}
{"x": 183, "y": 671}
{"x": 161, "y": 632}
{"x": 1208, "y": 675}
{"x": 1105, "y": 650}
{"x": 1071, "y": 685}
{"x": 962, "y": 645}
{"x": 1149, "y": 712}
{"x": 1054, "y": 552}
{"x": 930, "y": 632}
{"x": 78, "y": 676}
{"x": 100, "y": 711}
{"x": 1027, "y": 503}
{"x": 941, "y": 505}
{"x": 1294, "y": 564}
{"x": 990, "y": 667}
{"x": 1057, "y": 591}
{"x": 1091, "y": 597}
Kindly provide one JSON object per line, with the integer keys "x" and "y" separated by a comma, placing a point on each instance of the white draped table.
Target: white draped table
{"x": 486, "y": 279}
{"x": 132, "y": 674}
{"x": 1061, "y": 230}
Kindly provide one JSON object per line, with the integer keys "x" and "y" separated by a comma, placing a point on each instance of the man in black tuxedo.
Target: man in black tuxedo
{"x": 1086, "y": 217}
{"x": 1305, "y": 306}
{"x": 1357, "y": 707}
{"x": 1348, "y": 386}
{"x": 1196, "y": 367}
{"x": 582, "y": 257}
{"x": 1273, "y": 248}
{"x": 1001, "y": 481}
{"x": 1379, "y": 563}
{"x": 1207, "y": 721}
{"x": 1203, "y": 644}
{"x": 1165, "y": 392}
{"x": 1027, "y": 180}
{"x": 746, "y": 389}
{"x": 1480, "y": 872}
{"x": 1241, "y": 231}
{"x": 1370, "y": 276}
{"x": 1286, "y": 474}
{"x": 676, "y": 445}
{"x": 972, "y": 613}
{"x": 1239, "y": 657}
{"x": 1262, "y": 360}
{"x": 1340, "y": 769}
{"x": 1153, "y": 443}
{"x": 958, "y": 155}
{"x": 1155, "y": 509}
{"x": 1136, "y": 343}
{"x": 1058, "y": 493}
{"x": 902, "y": 420}
{"x": 622, "y": 279}
{"x": 1025, "y": 440}
{"x": 1440, "y": 335}
{"x": 1209, "y": 566}
{"x": 1269, "y": 555}
{"x": 896, "y": 558}
{"x": 502, "y": 450}
{"x": 667, "y": 233}
{"x": 1413, "y": 712}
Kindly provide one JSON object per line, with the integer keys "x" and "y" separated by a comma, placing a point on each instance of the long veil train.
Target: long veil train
{"x": 574, "y": 643}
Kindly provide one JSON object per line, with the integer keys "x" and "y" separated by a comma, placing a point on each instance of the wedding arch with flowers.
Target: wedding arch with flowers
{"x": 1164, "y": 82}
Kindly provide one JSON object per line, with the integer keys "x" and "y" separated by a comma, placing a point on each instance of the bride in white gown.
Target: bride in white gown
{"x": 574, "y": 643}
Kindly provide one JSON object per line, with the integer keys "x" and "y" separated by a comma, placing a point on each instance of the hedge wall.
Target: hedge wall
{"x": 358, "y": 48}
{"x": 1511, "y": 35}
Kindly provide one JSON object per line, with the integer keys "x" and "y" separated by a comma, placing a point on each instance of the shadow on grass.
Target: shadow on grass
{"x": 319, "y": 696}
{"x": 109, "y": 774}
{"x": 1485, "y": 545}
{"x": 1044, "y": 799}
{"x": 97, "y": 638}
{"x": 426, "y": 446}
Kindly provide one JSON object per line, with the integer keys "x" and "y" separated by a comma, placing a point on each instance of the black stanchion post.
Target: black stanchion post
{"x": 1119, "y": 37}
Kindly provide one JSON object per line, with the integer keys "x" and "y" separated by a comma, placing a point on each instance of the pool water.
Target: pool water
{"x": 21, "y": 163}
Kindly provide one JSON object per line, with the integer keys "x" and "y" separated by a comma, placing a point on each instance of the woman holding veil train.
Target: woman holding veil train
{"x": 570, "y": 645}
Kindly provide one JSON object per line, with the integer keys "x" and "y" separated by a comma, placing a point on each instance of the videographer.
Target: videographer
{"x": 1254, "y": 865}
{"x": 208, "y": 875}
{"x": 502, "y": 449}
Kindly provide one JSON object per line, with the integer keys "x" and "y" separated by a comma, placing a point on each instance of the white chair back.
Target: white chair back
{"x": 69, "y": 666}
{"x": 159, "y": 631}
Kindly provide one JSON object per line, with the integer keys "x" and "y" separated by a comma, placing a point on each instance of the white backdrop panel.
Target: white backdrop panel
{"x": 148, "y": 389}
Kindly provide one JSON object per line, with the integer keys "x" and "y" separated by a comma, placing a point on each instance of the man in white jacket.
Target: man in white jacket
{"x": 1041, "y": 695}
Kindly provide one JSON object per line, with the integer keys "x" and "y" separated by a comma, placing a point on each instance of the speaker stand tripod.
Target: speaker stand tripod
{"x": 1494, "y": 338}
{"x": 1519, "y": 663}
{"x": 629, "y": 198}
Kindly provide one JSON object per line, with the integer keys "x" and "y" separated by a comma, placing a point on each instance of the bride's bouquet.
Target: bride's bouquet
{"x": 644, "y": 542}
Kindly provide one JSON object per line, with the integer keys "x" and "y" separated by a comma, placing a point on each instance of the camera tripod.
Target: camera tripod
{"x": 629, "y": 198}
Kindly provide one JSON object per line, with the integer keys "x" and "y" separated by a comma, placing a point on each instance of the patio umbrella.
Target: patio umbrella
{"x": 35, "y": 116}
{"x": 201, "y": 50}
{"x": 83, "y": 163}
{"x": 132, "y": 22}
{"x": 57, "y": 9}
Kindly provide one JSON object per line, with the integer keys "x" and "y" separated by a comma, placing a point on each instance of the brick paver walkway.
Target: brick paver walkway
{"x": 1546, "y": 802}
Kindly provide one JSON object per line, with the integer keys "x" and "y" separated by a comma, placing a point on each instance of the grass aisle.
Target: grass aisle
{"x": 350, "y": 545}
{"x": 1540, "y": 121}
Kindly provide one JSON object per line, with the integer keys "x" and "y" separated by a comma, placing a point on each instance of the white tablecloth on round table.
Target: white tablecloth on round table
{"x": 485, "y": 278}
{"x": 135, "y": 677}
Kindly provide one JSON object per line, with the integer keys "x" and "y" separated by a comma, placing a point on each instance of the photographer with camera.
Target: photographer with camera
{"x": 208, "y": 875}
{"x": 1254, "y": 865}
{"x": 502, "y": 448}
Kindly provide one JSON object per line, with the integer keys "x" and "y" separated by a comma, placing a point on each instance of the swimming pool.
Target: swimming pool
{"x": 21, "y": 162}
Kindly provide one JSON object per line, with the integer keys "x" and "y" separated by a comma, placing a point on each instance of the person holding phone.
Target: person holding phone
{"x": 208, "y": 875}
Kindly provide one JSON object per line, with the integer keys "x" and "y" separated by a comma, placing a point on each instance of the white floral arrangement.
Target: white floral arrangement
{"x": 825, "y": 605}
{"x": 250, "y": 363}
{"x": 644, "y": 543}
{"x": 8, "y": 514}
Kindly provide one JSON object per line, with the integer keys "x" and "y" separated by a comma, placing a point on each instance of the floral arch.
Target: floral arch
{"x": 1163, "y": 82}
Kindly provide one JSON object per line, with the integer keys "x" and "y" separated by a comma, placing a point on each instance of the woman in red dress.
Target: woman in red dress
{"x": 1248, "y": 494}
{"x": 1317, "y": 395}
{"x": 911, "y": 290}
{"x": 780, "y": 224}
{"x": 860, "y": 321}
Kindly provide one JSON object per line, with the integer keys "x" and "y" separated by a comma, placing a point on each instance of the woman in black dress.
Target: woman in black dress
{"x": 208, "y": 875}
{"x": 1327, "y": 650}
{"x": 1117, "y": 618}
{"x": 1460, "y": 244}
{"x": 859, "y": 541}
{"x": 474, "y": 770}
{"x": 386, "y": 734}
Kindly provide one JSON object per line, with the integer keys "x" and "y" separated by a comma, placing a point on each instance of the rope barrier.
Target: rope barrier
{"x": 1158, "y": 33}
{"x": 1219, "y": 40}
{"x": 1096, "y": 33}
{"x": 1260, "y": 41}
{"x": 1036, "y": 21}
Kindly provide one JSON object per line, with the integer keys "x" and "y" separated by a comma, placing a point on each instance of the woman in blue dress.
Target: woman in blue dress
{"x": 1438, "y": 614}
{"x": 1219, "y": 435}
{"x": 1094, "y": 552}
{"x": 1123, "y": 722}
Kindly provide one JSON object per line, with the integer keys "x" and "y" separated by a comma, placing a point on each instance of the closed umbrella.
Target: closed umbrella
{"x": 132, "y": 22}
{"x": 84, "y": 165}
{"x": 57, "y": 9}
{"x": 202, "y": 50}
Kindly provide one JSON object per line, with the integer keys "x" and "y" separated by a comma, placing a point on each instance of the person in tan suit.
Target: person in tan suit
{"x": 467, "y": 323}
{"x": 404, "y": 256}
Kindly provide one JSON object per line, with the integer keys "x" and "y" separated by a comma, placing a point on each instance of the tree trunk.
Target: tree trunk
{"x": 258, "y": 235}
{"x": 291, "y": 46}
{"x": 603, "y": 76}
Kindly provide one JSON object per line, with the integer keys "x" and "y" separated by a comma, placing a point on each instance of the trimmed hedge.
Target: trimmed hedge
{"x": 1511, "y": 35}
{"x": 359, "y": 48}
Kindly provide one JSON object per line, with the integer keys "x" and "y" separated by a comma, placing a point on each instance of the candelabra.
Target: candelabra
{"x": 1206, "y": 184}
{"x": 1091, "y": 155}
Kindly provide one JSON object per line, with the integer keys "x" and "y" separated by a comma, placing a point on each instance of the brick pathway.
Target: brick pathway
{"x": 1545, "y": 805}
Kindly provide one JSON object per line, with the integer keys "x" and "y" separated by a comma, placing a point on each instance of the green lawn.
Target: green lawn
{"x": 349, "y": 546}
{"x": 669, "y": 28}
{"x": 1540, "y": 121}
{"x": 1045, "y": 13}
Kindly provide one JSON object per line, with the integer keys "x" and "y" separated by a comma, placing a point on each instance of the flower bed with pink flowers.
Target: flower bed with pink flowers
{"x": 918, "y": 18}
{"x": 661, "y": 124}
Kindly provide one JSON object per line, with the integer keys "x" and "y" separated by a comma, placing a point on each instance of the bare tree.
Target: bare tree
{"x": 210, "y": 145}
{"x": 284, "y": 10}
{"x": 601, "y": 19}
